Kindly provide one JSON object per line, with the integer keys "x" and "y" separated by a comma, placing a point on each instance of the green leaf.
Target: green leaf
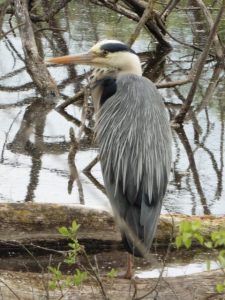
{"x": 52, "y": 269}
{"x": 79, "y": 277}
{"x": 70, "y": 260}
{"x": 220, "y": 242}
{"x": 58, "y": 275}
{"x": 52, "y": 285}
{"x": 75, "y": 226}
{"x": 221, "y": 258}
{"x": 186, "y": 238}
{"x": 185, "y": 226}
{"x": 208, "y": 244}
{"x": 199, "y": 238}
{"x": 69, "y": 281}
{"x": 113, "y": 273}
{"x": 179, "y": 241}
{"x": 63, "y": 231}
{"x": 220, "y": 287}
{"x": 72, "y": 245}
{"x": 187, "y": 243}
{"x": 195, "y": 225}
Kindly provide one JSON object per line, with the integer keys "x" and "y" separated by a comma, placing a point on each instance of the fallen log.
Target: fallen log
{"x": 29, "y": 222}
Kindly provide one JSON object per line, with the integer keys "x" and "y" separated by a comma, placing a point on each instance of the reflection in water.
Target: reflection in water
{"x": 35, "y": 138}
{"x": 183, "y": 138}
{"x": 34, "y": 120}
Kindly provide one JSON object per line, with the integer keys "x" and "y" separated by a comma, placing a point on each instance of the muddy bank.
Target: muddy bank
{"x": 26, "y": 286}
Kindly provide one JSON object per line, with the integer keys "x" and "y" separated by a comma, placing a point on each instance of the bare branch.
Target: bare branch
{"x": 57, "y": 6}
{"x": 7, "y": 135}
{"x": 3, "y": 9}
{"x": 210, "y": 89}
{"x": 208, "y": 16}
{"x": 35, "y": 65}
{"x": 11, "y": 290}
{"x": 175, "y": 83}
{"x": 199, "y": 67}
{"x": 11, "y": 30}
{"x": 91, "y": 164}
{"x": 146, "y": 15}
{"x": 79, "y": 95}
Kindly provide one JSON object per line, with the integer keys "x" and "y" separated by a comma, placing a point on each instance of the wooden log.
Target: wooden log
{"x": 25, "y": 222}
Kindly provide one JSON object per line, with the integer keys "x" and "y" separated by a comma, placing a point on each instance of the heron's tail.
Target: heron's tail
{"x": 138, "y": 235}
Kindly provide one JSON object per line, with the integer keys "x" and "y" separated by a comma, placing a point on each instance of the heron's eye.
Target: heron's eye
{"x": 105, "y": 52}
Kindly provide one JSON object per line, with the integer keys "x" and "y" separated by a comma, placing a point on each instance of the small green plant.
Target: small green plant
{"x": 71, "y": 233}
{"x": 58, "y": 280}
{"x": 113, "y": 273}
{"x": 191, "y": 231}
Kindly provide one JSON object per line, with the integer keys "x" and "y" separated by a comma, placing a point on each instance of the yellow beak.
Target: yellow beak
{"x": 83, "y": 59}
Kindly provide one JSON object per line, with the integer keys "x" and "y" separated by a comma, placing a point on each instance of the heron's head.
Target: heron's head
{"x": 107, "y": 53}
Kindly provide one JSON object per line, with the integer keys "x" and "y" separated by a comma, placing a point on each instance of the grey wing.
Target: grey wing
{"x": 135, "y": 152}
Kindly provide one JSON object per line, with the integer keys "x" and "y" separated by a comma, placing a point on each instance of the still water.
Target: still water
{"x": 35, "y": 140}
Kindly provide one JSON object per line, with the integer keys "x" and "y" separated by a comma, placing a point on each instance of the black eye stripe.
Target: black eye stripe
{"x": 115, "y": 47}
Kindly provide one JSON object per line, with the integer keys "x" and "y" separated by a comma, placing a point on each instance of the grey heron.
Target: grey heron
{"x": 134, "y": 138}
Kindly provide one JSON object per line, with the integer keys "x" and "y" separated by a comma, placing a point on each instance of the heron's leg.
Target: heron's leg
{"x": 130, "y": 264}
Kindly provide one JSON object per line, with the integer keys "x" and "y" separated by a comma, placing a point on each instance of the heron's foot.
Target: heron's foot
{"x": 129, "y": 272}
{"x": 128, "y": 275}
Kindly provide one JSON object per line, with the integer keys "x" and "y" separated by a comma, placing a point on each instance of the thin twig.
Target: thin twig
{"x": 175, "y": 83}
{"x": 88, "y": 168}
{"x": 11, "y": 290}
{"x": 218, "y": 45}
{"x": 50, "y": 28}
{"x": 96, "y": 276}
{"x": 163, "y": 266}
{"x": 7, "y": 135}
{"x": 11, "y": 30}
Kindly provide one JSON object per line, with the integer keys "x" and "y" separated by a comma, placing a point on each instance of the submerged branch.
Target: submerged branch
{"x": 74, "y": 176}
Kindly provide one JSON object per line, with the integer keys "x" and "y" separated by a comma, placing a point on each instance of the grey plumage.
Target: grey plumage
{"x": 135, "y": 153}
{"x": 134, "y": 138}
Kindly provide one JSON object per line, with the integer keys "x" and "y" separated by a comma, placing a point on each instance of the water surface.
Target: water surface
{"x": 34, "y": 139}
